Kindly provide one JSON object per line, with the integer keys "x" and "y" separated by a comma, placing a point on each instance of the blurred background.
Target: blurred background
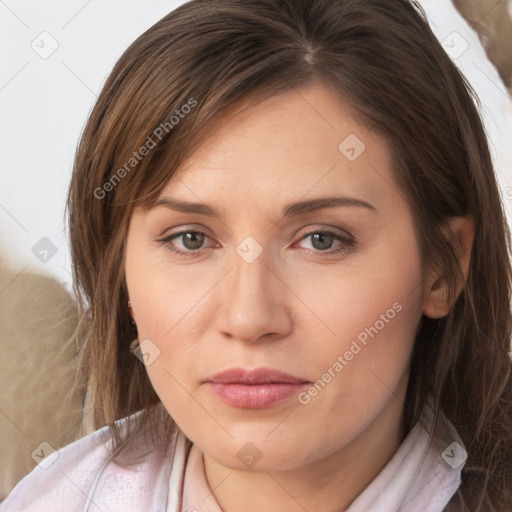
{"x": 55, "y": 57}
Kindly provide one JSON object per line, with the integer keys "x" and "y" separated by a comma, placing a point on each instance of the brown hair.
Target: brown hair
{"x": 383, "y": 59}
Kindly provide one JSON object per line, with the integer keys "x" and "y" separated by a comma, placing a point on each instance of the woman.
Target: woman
{"x": 292, "y": 208}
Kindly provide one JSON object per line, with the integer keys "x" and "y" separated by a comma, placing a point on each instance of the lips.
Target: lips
{"x": 256, "y": 376}
{"x": 254, "y": 389}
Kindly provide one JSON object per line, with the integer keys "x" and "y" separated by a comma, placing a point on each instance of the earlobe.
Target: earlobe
{"x": 436, "y": 302}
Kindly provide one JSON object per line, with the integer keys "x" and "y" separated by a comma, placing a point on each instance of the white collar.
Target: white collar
{"x": 421, "y": 476}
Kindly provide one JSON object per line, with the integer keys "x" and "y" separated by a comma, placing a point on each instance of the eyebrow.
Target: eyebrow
{"x": 290, "y": 210}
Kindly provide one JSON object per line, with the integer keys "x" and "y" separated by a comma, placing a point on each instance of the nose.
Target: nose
{"x": 254, "y": 302}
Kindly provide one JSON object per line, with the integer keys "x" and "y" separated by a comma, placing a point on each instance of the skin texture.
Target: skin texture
{"x": 287, "y": 309}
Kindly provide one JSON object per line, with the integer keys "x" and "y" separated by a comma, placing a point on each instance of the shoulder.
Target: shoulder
{"x": 61, "y": 476}
{"x": 82, "y": 477}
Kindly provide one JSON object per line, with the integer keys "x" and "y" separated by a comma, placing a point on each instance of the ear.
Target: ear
{"x": 435, "y": 301}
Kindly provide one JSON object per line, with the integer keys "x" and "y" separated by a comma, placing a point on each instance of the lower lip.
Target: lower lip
{"x": 254, "y": 396}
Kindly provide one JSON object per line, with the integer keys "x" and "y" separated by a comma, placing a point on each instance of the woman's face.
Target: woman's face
{"x": 277, "y": 278}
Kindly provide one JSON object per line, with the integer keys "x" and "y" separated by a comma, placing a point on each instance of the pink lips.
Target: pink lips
{"x": 254, "y": 389}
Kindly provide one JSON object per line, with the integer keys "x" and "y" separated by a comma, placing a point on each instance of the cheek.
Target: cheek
{"x": 163, "y": 293}
{"x": 369, "y": 337}
{"x": 377, "y": 298}
{"x": 368, "y": 317}
{"x": 177, "y": 309}
{"x": 173, "y": 311}
{"x": 164, "y": 299}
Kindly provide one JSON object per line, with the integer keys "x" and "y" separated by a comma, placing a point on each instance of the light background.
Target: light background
{"x": 44, "y": 103}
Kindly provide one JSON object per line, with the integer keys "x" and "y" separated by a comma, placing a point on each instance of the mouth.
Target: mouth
{"x": 254, "y": 389}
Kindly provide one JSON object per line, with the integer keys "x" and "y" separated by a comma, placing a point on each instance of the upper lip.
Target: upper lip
{"x": 255, "y": 376}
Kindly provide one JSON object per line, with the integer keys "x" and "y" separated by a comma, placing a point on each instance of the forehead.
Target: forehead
{"x": 299, "y": 142}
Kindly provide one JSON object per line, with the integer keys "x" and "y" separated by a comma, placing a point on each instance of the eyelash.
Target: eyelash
{"x": 347, "y": 244}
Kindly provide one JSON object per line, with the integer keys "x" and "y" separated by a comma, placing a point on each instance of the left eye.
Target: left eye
{"x": 322, "y": 239}
{"x": 192, "y": 241}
